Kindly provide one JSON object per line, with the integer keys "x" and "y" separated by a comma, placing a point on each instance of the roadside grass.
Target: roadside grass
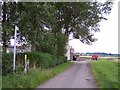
{"x": 106, "y": 73}
{"x": 34, "y": 78}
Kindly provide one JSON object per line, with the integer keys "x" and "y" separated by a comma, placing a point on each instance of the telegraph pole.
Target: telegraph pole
{"x": 14, "y": 57}
{"x": 16, "y": 28}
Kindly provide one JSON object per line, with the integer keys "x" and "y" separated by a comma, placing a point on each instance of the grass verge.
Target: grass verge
{"x": 34, "y": 78}
{"x": 106, "y": 73}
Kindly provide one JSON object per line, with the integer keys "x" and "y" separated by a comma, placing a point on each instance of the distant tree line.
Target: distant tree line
{"x": 103, "y": 54}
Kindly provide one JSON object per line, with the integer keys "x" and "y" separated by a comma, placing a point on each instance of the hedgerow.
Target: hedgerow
{"x": 37, "y": 59}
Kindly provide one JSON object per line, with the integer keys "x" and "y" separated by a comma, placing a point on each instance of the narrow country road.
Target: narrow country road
{"x": 77, "y": 76}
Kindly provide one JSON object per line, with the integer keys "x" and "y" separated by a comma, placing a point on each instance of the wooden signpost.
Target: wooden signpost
{"x": 26, "y": 65}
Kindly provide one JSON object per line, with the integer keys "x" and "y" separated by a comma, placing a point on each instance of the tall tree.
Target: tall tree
{"x": 34, "y": 17}
{"x": 9, "y": 20}
{"x": 3, "y": 24}
{"x": 61, "y": 19}
{"x": 81, "y": 18}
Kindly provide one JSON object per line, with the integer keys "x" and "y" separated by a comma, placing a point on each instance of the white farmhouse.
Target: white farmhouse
{"x": 69, "y": 52}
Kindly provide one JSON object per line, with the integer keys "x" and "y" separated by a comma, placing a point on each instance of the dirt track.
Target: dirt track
{"x": 78, "y": 76}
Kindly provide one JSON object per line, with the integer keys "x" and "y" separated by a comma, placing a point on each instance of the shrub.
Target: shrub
{"x": 39, "y": 59}
{"x": 7, "y": 63}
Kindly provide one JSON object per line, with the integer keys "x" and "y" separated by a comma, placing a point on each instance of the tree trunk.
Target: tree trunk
{"x": 34, "y": 66}
{"x": 33, "y": 47}
{"x": 4, "y": 28}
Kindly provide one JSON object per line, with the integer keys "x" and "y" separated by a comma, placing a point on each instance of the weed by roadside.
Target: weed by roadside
{"x": 34, "y": 78}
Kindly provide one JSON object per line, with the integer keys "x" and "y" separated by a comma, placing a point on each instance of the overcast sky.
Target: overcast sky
{"x": 107, "y": 37}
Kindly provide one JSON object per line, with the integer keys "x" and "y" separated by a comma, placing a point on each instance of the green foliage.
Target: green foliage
{"x": 70, "y": 17}
{"x": 80, "y": 18}
{"x": 34, "y": 17}
{"x": 29, "y": 17}
{"x": 61, "y": 43}
{"x": 7, "y": 63}
{"x": 34, "y": 78}
{"x": 44, "y": 60}
{"x": 47, "y": 43}
{"x": 106, "y": 73}
{"x": 39, "y": 59}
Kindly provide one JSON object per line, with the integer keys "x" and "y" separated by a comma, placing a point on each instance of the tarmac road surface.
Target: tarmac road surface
{"x": 77, "y": 76}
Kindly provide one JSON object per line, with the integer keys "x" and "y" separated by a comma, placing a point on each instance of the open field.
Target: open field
{"x": 106, "y": 73}
{"x": 101, "y": 57}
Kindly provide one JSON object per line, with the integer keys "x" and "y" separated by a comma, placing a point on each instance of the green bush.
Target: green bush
{"x": 7, "y": 60}
{"x": 39, "y": 59}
